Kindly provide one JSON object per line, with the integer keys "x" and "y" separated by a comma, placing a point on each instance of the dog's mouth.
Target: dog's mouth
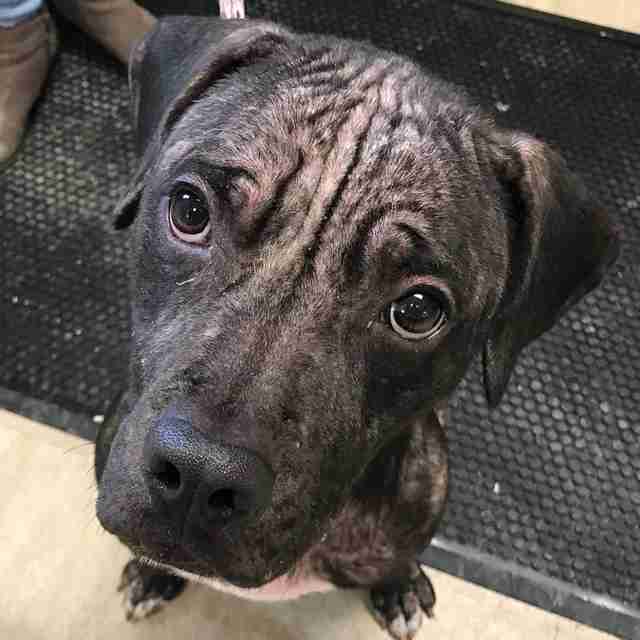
{"x": 189, "y": 570}
{"x": 178, "y": 561}
{"x": 286, "y": 587}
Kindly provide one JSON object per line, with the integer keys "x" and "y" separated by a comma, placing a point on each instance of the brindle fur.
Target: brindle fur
{"x": 337, "y": 175}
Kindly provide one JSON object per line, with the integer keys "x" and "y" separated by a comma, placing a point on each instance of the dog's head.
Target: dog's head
{"x": 324, "y": 237}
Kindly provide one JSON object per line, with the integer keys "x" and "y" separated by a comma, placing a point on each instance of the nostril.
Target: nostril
{"x": 167, "y": 475}
{"x": 222, "y": 503}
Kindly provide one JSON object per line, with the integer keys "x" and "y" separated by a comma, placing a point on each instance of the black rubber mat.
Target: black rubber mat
{"x": 545, "y": 493}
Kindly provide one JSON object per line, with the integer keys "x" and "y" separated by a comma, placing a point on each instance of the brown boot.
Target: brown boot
{"x": 26, "y": 51}
{"x": 118, "y": 25}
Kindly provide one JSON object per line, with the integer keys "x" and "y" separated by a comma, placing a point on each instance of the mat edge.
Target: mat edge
{"x": 50, "y": 414}
{"x": 534, "y": 588}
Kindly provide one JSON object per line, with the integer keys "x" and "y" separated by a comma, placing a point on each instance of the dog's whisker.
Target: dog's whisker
{"x": 92, "y": 520}
{"x": 90, "y": 504}
{"x": 78, "y": 447}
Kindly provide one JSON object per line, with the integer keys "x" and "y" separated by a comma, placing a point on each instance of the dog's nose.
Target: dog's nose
{"x": 197, "y": 478}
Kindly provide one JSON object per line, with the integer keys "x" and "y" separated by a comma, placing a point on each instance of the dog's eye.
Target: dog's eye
{"x": 189, "y": 215}
{"x": 417, "y": 315}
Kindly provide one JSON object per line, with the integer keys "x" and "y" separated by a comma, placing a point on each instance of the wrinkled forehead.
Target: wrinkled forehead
{"x": 329, "y": 100}
{"x": 337, "y": 166}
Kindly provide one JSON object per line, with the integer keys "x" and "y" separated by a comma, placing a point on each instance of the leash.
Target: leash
{"x": 231, "y": 9}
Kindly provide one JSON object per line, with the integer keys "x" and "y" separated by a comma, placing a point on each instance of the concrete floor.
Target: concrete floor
{"x": 59, "y": 570}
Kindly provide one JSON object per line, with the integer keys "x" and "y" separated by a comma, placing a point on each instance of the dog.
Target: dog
{"x": 324, "y": 238}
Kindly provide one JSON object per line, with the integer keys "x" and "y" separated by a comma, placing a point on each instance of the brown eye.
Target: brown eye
{"x": 189, "y": 215}
{"x": 417, "y": 315}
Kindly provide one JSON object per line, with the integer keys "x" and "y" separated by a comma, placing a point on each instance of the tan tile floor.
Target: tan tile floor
{"x": 58, "y": 569}
{"x": 619, "y": 14}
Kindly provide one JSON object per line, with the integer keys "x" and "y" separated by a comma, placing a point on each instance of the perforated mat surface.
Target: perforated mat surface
{"x": 545, "y": 487}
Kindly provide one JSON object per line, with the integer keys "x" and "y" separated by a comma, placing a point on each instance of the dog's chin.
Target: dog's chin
{"x": 285, "y": 587}
{"x": 180, "y": 562}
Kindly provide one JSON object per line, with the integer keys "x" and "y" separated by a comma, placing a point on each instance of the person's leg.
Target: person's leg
{"x": 118, "y": 25}
{"x": 26, "y": 47}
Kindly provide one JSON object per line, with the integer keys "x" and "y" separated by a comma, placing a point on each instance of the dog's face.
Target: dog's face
{"x": 324, "y": 237}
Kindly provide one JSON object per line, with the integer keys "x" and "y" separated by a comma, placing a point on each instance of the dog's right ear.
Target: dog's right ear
{"x": 174, "y": 64}
{"x": 561, "y": 244}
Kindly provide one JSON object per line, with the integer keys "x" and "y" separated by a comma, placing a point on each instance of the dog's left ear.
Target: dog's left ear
{"x": 174, "y": 64}
{"x": 561, "y": 244}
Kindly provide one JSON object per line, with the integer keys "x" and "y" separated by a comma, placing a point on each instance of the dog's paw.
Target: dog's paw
{"x": 399, "y": 606}
{"x": 146, "y": 589}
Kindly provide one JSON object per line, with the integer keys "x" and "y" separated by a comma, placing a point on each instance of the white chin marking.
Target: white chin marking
{"x": 282, "y": 588}
{"x": 398, "y": 628}
{"x": 414, "y": 623}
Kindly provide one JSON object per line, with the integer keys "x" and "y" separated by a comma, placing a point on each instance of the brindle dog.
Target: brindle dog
{"x": 324, "y": 237}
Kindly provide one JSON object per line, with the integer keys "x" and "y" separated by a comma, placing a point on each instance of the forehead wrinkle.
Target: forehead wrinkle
{"x": 333, "y": 170}
{"x": 174, "y": 152}
{"x": 266, "y": 195}
{"x": 434, "y": 210}
{"x": 382, "y": 146}
{"x": 388, "y": 254}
